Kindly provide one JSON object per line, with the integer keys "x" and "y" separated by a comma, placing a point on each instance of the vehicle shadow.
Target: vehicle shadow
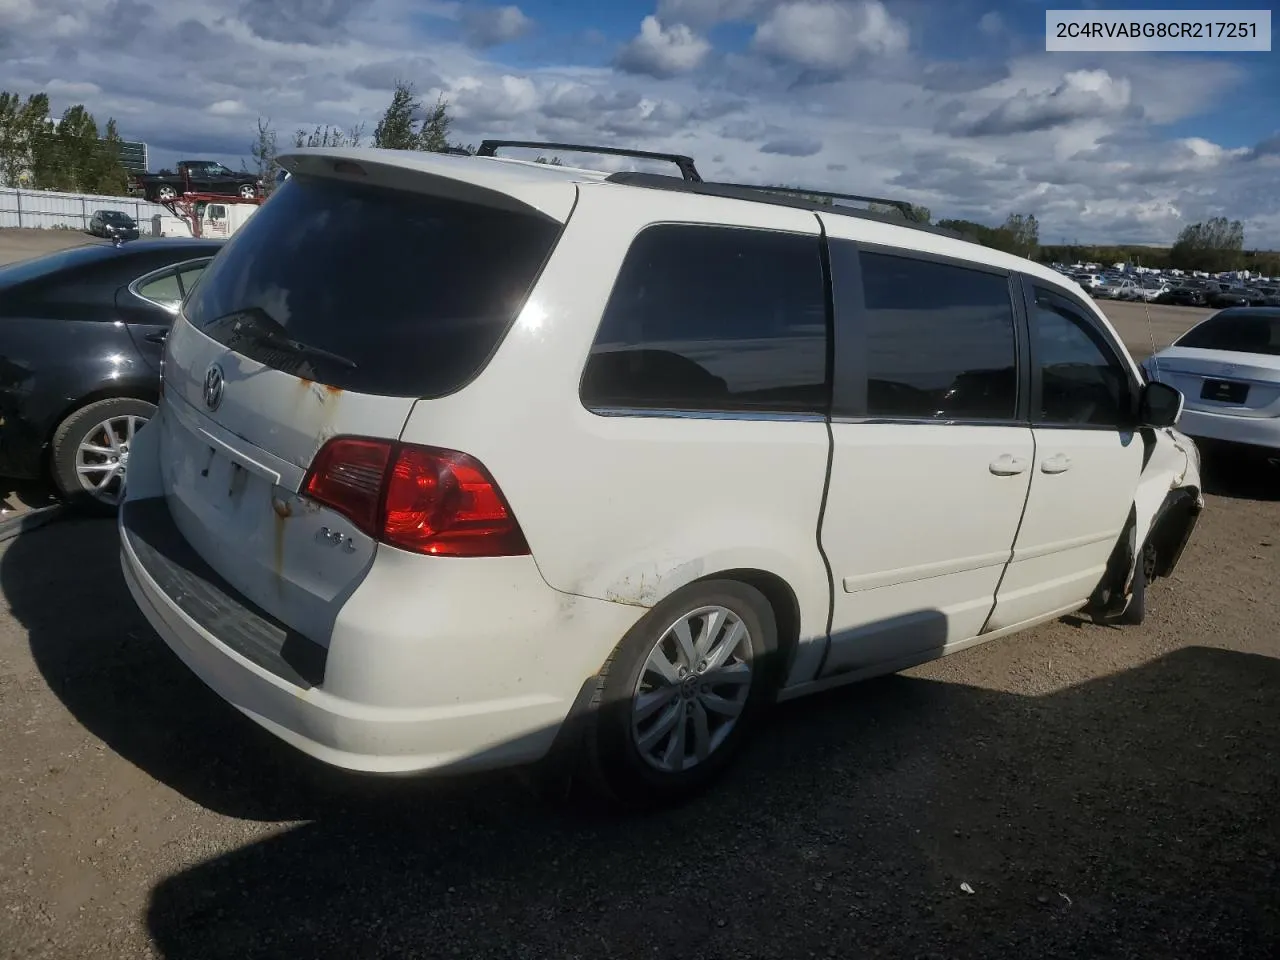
{"x": 101, "y": 658}
{"x": 1239, "y": 473}
{"x": 1135, "y": 815}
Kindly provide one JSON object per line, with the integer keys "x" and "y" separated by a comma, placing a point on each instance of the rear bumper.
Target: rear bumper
{"x": 1254, "y": 431}
{"x": 421, "y": 683}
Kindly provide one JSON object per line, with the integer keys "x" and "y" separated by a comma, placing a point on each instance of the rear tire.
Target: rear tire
{"x": 248, "y": 191}
{"x": 90, "y": 451}
{"x": 680, "y": 694}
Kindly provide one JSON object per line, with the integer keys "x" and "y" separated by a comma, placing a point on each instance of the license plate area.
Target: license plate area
{"x": 1224, "y": 391}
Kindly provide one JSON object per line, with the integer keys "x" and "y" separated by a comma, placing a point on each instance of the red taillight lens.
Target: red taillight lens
{"x": 347, "y": 475}
{"x": 422, "y": 499}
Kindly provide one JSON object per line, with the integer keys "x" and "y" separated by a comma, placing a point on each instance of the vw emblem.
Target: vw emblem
{"x": 213, "y": 386}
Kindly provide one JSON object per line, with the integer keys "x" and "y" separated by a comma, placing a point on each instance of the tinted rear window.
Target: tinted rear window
{"x": 713, "y": 318}
{"x": 413, "y": 293}
{"x": 1239, "y": 332}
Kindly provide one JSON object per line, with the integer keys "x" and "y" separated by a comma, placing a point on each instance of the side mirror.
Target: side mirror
{"x": 1160, "y": 405}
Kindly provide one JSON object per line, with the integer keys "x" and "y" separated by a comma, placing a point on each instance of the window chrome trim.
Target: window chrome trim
{"x": 929, "y": 422}
{"x": 677, "y": 414}
{"x": 175, "y": 269}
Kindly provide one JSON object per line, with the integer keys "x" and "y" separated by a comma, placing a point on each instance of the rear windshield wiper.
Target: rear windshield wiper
{"x": 256, "y": 326}
{"x": 287, "y": 345}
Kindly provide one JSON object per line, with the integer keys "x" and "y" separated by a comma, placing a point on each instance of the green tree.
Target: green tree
{"x": 108, "y": 175}
{"x": 1214, "y": 245}
{"x": 433, "y": 134}
{"x": 396, "y": 130}
{"x": 23, "y": 125}
{"x": 399, "y": 130}
{"x": 329, "y": 136}
{"x": 1022, "y": 234}
{"x": 263, "y": 150}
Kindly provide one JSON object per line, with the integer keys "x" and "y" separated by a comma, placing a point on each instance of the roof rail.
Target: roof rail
{"x": 901, "y": 205}
{"x": 688, "y": 172}
{"x": 785, "y": 197}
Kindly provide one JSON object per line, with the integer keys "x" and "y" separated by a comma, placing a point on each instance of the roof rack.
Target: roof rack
{"x": 785, "y": 197}
{"x": 688, "y": 172}
{"x": 900, "y": 205}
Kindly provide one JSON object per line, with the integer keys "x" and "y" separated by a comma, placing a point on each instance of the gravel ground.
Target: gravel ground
{"x": 1076, "y": 791}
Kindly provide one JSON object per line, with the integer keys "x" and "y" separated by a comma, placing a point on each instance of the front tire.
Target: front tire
{"x": 1144, "y": 572}
{"x": 90, "y": 452}
{"x": 681, "y": 693}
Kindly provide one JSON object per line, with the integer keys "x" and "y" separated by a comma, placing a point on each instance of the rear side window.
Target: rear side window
{"x": 716, "y": 319}
{"x": 940, "y": 341}
{"x": 372, "y": 290}
{"x": 1238, "y": 332}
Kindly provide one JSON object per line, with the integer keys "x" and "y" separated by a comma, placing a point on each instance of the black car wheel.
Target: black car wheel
{"x": 90, "y": 452}
{"x": 248, "y": 191}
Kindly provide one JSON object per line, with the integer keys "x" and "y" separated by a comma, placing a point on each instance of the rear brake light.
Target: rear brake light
{"x": 422, "y": 499}
{"x": 347, "y": 475}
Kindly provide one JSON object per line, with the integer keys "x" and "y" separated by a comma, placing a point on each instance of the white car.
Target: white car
{"x": 1228, "y": 368}
{"x": 464, "y": 462}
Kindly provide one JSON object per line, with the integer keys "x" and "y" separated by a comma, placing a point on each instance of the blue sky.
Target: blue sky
{"x": 953, "y": 104}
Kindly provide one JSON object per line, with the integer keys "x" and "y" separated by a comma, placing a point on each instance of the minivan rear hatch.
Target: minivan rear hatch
{"x": 357, "y": 289}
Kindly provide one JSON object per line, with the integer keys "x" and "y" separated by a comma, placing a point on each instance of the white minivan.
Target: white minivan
{"x": 465, "y": 462}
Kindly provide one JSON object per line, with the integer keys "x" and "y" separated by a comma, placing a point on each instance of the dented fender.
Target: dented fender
{"x": 1172, "y": 471}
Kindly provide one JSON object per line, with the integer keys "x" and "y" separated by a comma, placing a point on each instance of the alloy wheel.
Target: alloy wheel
{"x": 102, "y": 458}
{"x": 692, "y": 689}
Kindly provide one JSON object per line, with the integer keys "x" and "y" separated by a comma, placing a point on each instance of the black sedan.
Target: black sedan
{"x": 1224, "y": 297}
{"x": 1185, "y": 296}
{"x": 112, "y": 224}
{"x": 81, "y": 336}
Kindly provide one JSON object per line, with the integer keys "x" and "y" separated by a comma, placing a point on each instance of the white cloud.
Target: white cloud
{"x": 663, "y": 51}
{"x": 71, "y": 88}
{"x": 228, "y": 108}
{"x": 492, "y": 26}
{"x": 991, "y": 23}
{"x": 1078, "y": 141}
{"x": 1082, "y": 95}
{"x": 830, "y": 35}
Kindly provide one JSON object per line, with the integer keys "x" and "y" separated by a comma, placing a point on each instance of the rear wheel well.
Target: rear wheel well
{"x": 786, "y": 613}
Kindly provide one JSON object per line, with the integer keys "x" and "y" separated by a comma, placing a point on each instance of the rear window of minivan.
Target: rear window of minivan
{"x": 372, "y": 290}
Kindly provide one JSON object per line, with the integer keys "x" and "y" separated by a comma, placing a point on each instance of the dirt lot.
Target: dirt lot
{"x": 19, "y": 244}
{"x": 1102, "y": 792}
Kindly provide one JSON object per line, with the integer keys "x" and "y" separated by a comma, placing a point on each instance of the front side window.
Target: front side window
{"x": 940, "y": 341}
{"x": 715, "y": 319}
{"x": 1082, "y": 379}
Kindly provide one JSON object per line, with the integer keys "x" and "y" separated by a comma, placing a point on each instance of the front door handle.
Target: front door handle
{"x": 156, "y": 337}
{"x": 1058, "y": 463}
{"x": 1007, "y": 465}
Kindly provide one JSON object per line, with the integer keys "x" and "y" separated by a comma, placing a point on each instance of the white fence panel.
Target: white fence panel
{"x": 46, "y": 209}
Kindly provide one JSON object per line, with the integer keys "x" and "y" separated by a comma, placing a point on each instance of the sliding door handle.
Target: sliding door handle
{"x": 1007, "y": 465}
{"x": 1058, "y": 463}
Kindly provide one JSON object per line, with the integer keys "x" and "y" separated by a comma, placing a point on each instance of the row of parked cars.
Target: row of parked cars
{"x": 1218, "y": 294}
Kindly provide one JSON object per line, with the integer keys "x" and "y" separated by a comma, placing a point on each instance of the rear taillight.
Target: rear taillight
{"x": 422, "y": 499}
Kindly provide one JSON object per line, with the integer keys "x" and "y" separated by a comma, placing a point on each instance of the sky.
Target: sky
{"x": 952, "y": 104}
